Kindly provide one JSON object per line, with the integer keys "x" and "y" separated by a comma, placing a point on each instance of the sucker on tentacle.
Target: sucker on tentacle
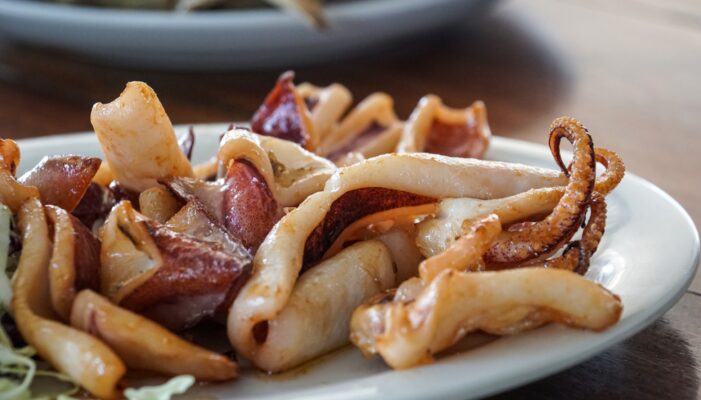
{"x": 615, "y": 170}
{"x": 577, "y": 254}
{"x": 544, "y": 237}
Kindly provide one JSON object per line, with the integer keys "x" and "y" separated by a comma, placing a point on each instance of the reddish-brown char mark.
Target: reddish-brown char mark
{"x": 360, "y": 140}
{"x": 456, "y": 140}
{"x": 95, "y": 204}
{"x": 87, "y": 257}
{"x": 280, "y": 115}
{"x": 63, "y": 180}
{"x": 191, "y": 269}
{"x": 350, "y": 207}
{"x": 250, "y": 211}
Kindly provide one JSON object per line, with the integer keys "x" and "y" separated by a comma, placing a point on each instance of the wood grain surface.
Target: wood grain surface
{"x": 630, "y": 69}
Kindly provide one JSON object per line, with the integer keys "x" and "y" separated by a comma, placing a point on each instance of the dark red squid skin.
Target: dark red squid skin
{"x": 191, "y": 268}
{"x": 456, "y": 140}
{"x": 62, "y": 180}
{"x": 280, "y": 115}
{"x": 250, "y": 210}
{"x": 87, "y": 257}
{"x": 349, "y": 208}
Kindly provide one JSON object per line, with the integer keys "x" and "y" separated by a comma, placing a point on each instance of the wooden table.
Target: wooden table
{"x": 629, "y": 69}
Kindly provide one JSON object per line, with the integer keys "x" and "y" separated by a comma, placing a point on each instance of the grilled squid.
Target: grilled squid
{"x": 13, "y": 193}
{"x": 436, "y": 234}
{"x": 9, "y": 156}
{"x": 85, "y": 359}
{"x": 302, "y": 237}
{"x": 370, "y": 129}
{"x": 408, "y": 332}
{"x": 327, "y": 105}
{"x": 285, "y": 115}
{"x": 290, "y": 172}
{"x": 62, "y": 180}
{"x": 315, "y": 318}
{"x": 435, "y": 128}
{"x": 138, "y": 139}
{"x": 241, "y": 202}
{"x": 145, "y": 345}
{"x": 75, "y": 260}
{"x": 173, "y": 278}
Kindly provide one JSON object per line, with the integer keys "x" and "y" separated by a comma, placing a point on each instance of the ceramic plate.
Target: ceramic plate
{"x": 648, "y": 256}
{"x": 225, "y": 39}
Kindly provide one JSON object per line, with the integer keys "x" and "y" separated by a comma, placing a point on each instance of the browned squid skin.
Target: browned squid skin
{"x": 280, "y": 115}
{"x": 350, "y": 207}
{"x": 9, "y": 155}
{"x": 196, "y": 278}
{"x": 241, "y": 203}
{"x": 250, "y": 210}
{"x": 615, "y": 170}
{"x": 95, "y": 205}
{"x": 544, "y": 237}
{"x": 87, "y": 250}
{"x": 578, "y": 253}
{"x": 62, "y": 180}
{"x": 75, "y": 261}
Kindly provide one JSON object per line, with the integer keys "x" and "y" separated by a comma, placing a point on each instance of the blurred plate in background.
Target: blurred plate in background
{"x": 227, "y": 39}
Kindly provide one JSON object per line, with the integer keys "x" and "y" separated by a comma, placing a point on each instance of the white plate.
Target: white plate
{"x": 211, "y": 40}
{"x": 648, "y": 256}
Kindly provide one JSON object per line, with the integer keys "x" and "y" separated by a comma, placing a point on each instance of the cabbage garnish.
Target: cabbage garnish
{"x": 14, "y": 362}
{"x": 177, "y": 385}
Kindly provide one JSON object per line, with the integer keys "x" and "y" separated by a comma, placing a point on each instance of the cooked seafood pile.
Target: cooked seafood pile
{"x": 316, "y": 225}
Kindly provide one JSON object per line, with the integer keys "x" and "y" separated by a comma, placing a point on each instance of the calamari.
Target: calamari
{"x": 370, "y": 129}
{"x": 435, "y": 128}
{"x": 173, "y": 278}
{"x": 316, "y": 317}
{"x": 466, "y": 252}
{"x": 409, "y": 332}
{"x": 577, "y": 254}
{"x": 86, "y": 360}
{"x": 138, "y": 139}
{"x": 612, "y": 176}
{"x": 9, "y": 156}
{"x": 145, "y": 345}
{"x": 241, "y": 202}
{"x": 453, "y": 216}
{"x": 302, "y": 237}
{"x": 291, "y": 172}
{"x": 13, "y": 193}
{"x": 96, "y": 203}
{"x": 158, "y": 203}
{"x": 327, "y": 105}
{"x": 284, "y": 115}
{"x": 62, "y": 180}
{"x": 75, "y": 260}
{"x": 544, "y": 237}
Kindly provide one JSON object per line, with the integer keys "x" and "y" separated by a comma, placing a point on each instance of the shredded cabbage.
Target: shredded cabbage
{"x": 178, "y": 385}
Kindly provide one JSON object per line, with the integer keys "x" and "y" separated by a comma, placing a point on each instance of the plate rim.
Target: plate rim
{"x": 146, "y": 18}
{"x": 598, "y": 343}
